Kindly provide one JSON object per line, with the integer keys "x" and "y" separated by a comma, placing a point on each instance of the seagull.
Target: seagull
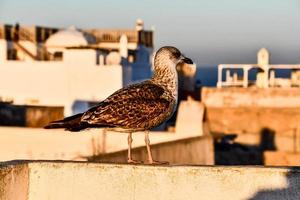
{"x": 137, "y": 107}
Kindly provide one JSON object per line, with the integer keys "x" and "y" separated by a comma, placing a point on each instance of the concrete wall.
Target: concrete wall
{"x": 235, "y": 97}
{"x": 252, "y": 119}
{"x": 196, "y": 151}
{"x": 74, "y": 180}
{"x": 45, "y": 144}
{"x": 250, "y": 110}
{"x": 266, "y": 118}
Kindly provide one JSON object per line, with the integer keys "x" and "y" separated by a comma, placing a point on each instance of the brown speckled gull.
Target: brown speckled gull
{"x": 137, "y": 107}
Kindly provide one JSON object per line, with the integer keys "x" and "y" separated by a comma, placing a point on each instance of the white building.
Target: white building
{"x": 70, "y": 67}
{"x": 265, "y": 76}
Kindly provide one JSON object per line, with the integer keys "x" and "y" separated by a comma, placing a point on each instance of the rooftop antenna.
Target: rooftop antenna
{"x": 139, "y": 24}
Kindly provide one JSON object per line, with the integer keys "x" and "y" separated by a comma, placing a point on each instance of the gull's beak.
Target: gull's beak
{"x": 186, "y": 60}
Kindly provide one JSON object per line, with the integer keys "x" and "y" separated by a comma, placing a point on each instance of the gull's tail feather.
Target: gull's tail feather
{"x": 72, "y": 123}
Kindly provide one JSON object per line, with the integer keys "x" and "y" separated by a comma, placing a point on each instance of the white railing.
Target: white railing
{"x": 265, "y": 81}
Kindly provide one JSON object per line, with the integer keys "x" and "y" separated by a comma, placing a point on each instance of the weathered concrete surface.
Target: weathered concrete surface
{"x": 281, "y": 158}
{"x": 197, "y": 151}
{"x": 235, "y": 97}
{"x": 14, "y": 180}
{"x": 78, "y": 180}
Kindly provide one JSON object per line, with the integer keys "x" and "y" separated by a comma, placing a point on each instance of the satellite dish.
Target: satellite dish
{"x": 113, "y": 58}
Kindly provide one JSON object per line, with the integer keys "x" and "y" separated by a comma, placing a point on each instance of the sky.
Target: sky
{"x": 209, "y": 31}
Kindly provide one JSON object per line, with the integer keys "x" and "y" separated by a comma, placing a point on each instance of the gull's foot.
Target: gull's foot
{"x": 130, "y": 161}
{"x": 155, "y": 162}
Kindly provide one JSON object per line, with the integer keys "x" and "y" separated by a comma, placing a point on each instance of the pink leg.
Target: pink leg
{"x": 150, "y": 158}
{"x": 129, "y": 157}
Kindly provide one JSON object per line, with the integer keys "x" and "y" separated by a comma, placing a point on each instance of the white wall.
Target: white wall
{"x": 77, "y": 77}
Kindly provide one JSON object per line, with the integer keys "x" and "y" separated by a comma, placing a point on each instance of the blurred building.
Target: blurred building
{"x": 70, "y": 67}
{"x": 265, "y": 73}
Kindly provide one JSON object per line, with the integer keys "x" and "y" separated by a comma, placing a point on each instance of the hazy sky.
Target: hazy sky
{"x": 209, "y": 31}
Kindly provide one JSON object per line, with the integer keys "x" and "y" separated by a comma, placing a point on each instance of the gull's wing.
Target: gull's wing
{"x": 137, "y": 106}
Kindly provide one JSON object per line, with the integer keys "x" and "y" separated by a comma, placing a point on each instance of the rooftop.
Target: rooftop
{"x": 69, "y": 37}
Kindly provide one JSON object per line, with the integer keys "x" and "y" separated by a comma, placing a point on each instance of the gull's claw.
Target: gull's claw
{"x": 130, "y": 161}
{"x": 154, "y": 162}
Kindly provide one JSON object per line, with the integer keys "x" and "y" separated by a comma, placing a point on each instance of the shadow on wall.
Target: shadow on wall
{"x": 228, "y": 152}
{"x": 291, "y": 192}
{"x": 267, "y": 139}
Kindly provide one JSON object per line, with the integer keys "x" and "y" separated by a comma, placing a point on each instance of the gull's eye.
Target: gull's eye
{"x": 177, "y": 54}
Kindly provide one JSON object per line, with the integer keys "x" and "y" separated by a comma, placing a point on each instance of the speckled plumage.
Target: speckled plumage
{"x": 137, "y": 107}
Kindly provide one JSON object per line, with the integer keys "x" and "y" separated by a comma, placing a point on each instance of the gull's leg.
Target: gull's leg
{"x": 129, "y": 157}
{"x": 150, "y": 158}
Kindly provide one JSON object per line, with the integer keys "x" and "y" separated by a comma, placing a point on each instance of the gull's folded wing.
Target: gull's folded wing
{"x": 136, "y": 106}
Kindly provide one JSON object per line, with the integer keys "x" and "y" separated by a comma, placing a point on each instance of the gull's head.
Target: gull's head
{"x": 169, "y": 57}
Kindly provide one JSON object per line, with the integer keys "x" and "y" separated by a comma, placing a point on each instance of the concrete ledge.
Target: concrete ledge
{"x": 57, "y": 144}
{"x": 81, "y": 180}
